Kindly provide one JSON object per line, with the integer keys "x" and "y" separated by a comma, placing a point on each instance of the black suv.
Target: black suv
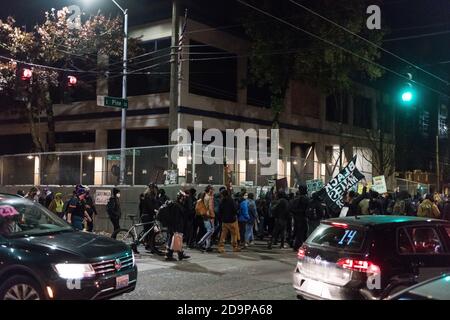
{"x": 371, "y": 257}
{"x": 42, "y": 257}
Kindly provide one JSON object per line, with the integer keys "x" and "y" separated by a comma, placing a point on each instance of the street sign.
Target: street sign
{"x": 112, "y": 102}
{"x": 248, "y": 184}
{"x": 113, "y": 157}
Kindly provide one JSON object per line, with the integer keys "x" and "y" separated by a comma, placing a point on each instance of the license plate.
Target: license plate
{"x": 122, "y": 281}
{"x": 313, "y": 287}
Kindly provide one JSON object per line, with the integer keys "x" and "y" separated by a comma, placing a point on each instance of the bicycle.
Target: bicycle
{"x": 132, "y": 238}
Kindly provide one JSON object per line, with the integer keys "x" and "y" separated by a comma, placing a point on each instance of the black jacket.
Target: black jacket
{"x": 148, "y": 205}
{"x": 175, "y": 221}
{"x": 298, "y": 207}
{"x": 280, "y": 209}
{"x": 227, "y": 210}
{"x": 113, "y": 208}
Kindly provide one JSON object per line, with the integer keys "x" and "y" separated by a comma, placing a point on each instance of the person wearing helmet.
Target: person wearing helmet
{"x": 77, "y": 209}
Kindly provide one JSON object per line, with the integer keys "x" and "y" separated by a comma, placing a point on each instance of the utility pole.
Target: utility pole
{"x": 438, "y": 174}
{"x": 173, "y": 109}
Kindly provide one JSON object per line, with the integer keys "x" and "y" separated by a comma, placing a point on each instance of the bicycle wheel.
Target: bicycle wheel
{"x": 124, "y": 236}
{"x": 158, "y": 241}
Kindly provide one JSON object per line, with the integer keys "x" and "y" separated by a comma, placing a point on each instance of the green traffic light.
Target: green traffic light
{"x": 407, "y": 96}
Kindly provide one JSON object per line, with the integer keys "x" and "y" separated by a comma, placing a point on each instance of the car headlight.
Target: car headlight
{"x": 134, "y": 259}
{"x": 74, "y": 271}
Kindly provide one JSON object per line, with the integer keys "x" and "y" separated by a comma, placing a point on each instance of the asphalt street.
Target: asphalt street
{"x": 254, "y": 273}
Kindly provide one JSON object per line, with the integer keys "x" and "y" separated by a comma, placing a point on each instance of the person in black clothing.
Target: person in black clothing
{"x": 352, "y": 202}
{"x": 77, "y": 210}
{"x": 162, "y": 197}
{"x": 113, "y": 209}
{"x": 91, "y": 211}
{"x": 148, "y": 207}
{"x": 315, "y": 212}
{"x": 189, "y": 207}
{"x": 375, "y": 204}
{"x": 298, "y": 210}
{"x": 175, "y": 223}
{"x": 280, "y": 212}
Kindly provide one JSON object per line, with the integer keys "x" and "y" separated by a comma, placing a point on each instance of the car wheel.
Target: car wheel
{"x": 20, "y": 288}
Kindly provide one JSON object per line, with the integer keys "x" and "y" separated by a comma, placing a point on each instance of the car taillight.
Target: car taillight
{"x": 359, "y": 265}
{"x": 301, "y": 253}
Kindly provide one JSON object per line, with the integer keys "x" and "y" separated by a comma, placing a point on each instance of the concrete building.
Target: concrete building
{"x": 211, "y": 90}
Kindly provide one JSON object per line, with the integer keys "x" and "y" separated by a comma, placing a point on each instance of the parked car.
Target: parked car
{"x": 371, "y": 257}
{"x": 434, "y": 289}
{"x": 42, "y": 257}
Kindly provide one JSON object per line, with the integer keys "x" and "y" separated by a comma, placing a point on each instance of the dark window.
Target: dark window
{"x": 148, "y": 74}
{"x": 404, "y": 244}
{"x": 425, "y": 240}
{"x": 425, "y": 123}
{"x": 362, "y": 112}
{"x": 338, "y": 237}
{"x": 212, "y": 72}
{"x": 334, "y": 105}
{"x": 75, "y": 137}
{"x": 139, "y": 138}
{"x": 16, "y": 144}
{"x": 385, "y": 114}
{"x": 257, "y": 95}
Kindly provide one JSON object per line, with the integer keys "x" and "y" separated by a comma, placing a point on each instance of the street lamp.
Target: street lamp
{"x": 123, "y": 135}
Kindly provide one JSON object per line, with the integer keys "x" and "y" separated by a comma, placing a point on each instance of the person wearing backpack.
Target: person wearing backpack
{"x": 428, "y": 209}
{"x": 314, "y": 213}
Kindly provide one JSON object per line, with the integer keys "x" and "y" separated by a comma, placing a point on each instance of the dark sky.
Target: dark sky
{"x": 404, "y": 18}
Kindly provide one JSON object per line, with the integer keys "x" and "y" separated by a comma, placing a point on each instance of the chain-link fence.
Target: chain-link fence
{"x": 194, "y": 164}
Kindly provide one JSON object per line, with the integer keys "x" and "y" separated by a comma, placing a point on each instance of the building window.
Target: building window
{"x": 305, "y": 100}
{"x": 212, "y": 72}
{"x": 257, "y": 95}
{"x": 337, "y": 107}
{"x": 149, "y": 74}
{"x": 362, "y": 112}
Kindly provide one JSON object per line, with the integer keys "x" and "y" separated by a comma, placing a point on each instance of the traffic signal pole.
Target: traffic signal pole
{"x": 173, "y": 109}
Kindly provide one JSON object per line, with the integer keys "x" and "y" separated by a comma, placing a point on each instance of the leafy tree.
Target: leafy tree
{"x": 281, "y": 53}
{"x": 54, "y": 43}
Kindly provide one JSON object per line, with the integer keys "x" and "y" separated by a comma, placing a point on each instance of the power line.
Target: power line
{"x": 417, "y": 36}
{"x": 370, "y": 42}
{"x": 339, "y": 47}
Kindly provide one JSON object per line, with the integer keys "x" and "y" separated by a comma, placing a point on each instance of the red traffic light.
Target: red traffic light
{"x": 26, "y": 74}
{"x": 72, "y": 81}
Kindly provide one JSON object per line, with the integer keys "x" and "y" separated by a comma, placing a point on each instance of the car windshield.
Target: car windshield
{"x": 342, "y": 237}
{"x": 20, "y": 217}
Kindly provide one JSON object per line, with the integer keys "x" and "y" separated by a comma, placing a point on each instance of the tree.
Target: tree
{"x": 54, "y": 43}
{"x": 281, "y": 53}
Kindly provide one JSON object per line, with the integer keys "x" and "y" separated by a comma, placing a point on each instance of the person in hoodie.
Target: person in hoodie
{"x": 113, "y": 209}
{"x": 244, "y": 219}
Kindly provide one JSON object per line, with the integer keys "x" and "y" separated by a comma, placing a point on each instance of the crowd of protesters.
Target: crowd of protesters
{"x": 212, "y": 217}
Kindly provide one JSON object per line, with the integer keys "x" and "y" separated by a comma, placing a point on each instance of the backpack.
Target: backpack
{"x": 200, "y": 208}
{"x": 164, "y": 211}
